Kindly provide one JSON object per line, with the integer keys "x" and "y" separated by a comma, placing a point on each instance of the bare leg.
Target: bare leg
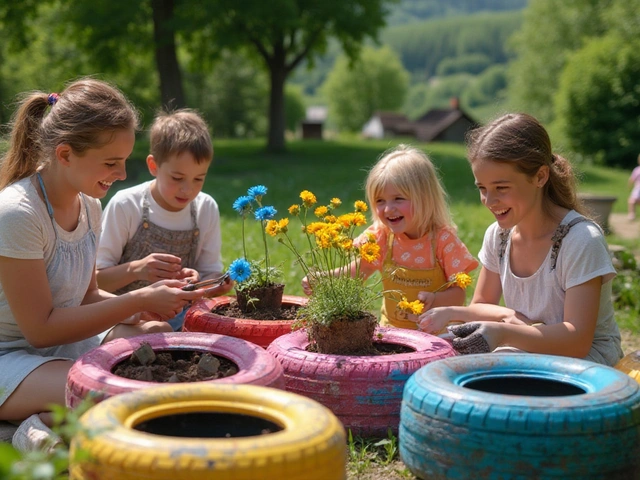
{"x": 41, "y": 388}
{"x": 126, "y": 331}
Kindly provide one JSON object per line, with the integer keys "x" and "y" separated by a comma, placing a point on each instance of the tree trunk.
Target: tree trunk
{"x": 278, "y": 75}
{"x": 171, "y": 91}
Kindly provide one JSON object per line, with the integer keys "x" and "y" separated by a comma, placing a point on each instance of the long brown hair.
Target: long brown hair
{"x": 520, "y": 140}
{"x": 83, "y": 112}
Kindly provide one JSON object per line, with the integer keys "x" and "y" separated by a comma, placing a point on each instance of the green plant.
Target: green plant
{"x": 47, "y": 463}
{"x": 332, "y": 263}
{"x": 252, "y": 274}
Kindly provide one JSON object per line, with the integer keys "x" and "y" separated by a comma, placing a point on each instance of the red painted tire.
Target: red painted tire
{"x": 200, "y": 318}
{"x": 91, "y": 373}
{"x": 364, "y": 392}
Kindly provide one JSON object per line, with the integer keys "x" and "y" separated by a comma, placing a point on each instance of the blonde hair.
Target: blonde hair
{"x": 79, "y": 117}
{"x": 180, "y": 131}
{"x": 412, "y": 173}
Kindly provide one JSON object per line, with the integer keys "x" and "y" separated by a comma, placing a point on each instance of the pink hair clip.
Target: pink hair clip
{"x": 52, "y": 99}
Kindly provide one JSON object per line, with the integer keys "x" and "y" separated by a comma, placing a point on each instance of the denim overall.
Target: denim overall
{"x": 410, "y": 282}
{"x": 151, "y": 238}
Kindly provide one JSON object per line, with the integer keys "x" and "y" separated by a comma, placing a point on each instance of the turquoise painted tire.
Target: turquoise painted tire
{"x": 310, "y": 443}
{"x": 520, "y": 416}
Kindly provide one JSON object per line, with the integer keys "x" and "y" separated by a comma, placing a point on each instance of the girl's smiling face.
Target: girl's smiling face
{"x": 394, "y": 210}
{"x": 509, "y": 194}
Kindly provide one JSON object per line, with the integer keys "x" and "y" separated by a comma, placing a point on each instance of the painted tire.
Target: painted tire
{"x": 91, "y": 373}
{"x": 364, "y": 392}
{"x": 630, "y": 365}
{"x": 310, "y": 446}
{"x": 454, "y": 426}
{"x": 200, "y": 318}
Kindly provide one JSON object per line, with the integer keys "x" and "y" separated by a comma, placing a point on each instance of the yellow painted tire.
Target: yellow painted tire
{"x": 311, "y": 444}
{"x": 630, "y": 365}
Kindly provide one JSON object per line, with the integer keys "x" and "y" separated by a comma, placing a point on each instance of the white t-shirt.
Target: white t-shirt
{"x": 123, "y": 215}
{"x": 26, "y": 232}
{"x": 583, "y": 256}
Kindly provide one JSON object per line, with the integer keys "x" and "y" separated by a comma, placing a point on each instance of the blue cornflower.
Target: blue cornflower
{"x": 265, "y": 213}
{"x": 239, "y": 270}
{"x": 242, "y": 204}
{"x": 257, "y": 192}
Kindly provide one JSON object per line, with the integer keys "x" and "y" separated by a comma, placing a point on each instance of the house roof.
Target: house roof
{"x": 390, "y": 120}
{"x": 435, "y": 121}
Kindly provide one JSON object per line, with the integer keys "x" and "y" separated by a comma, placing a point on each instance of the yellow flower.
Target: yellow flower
{"x": 371, "y": 238}
{"x": 359, "y": 219}
{"x": 331, "y": 219}
{"x": 361, "y": 206}
{"x": 323, "y": 240}
{"x": 335, "y": 202}
{"x": 416, "y": 307}
{"x": 462, "y": 280}
{"x": 308, "y": 198}
{"x": 294, "y": 209}
{"x": 320, "y": 212}
{"x": 370, "y": 252}
{"x": 272, "y": 228}
{"x": 282, "y": 225}
{"x": 315, "y": 227}
{"x": 345, "y": 243}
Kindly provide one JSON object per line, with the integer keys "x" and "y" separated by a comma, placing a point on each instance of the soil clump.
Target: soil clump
{"x": 174, "y": 366}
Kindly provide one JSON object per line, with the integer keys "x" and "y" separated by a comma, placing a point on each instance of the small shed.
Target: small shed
{"x": 444, "y": 124}
{"x": 313, "y": 123}
{"x": 387, "y": 124}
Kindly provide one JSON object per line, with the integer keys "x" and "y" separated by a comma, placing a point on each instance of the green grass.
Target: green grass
{"x": 338, "y": 169}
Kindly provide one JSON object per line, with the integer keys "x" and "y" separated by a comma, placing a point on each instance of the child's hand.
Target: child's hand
{"x": 156, "y": 267}
{"x": 434, "y": 320}
{"x": 427, "y": 298}
{"x": 476, "y": 337}
{"x": 189, "y": 274}
{"x": 306, "y": 287}
{"x": 166, "y": 298}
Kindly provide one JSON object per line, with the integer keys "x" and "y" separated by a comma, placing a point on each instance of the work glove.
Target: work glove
{"x": 468, "y": 338}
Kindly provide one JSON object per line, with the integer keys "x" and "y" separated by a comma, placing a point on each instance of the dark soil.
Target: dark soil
{"x": 286, "y": 312}
{"x": 177, "y": 366}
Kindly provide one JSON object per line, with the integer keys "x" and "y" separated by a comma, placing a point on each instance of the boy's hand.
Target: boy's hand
{"x": 306, "y": 287}
{"x": 157, "y": 266}
{"x": 189, "y": 274}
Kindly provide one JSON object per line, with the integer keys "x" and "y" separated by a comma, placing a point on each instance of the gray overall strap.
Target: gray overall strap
{"x": 557, "y": 238}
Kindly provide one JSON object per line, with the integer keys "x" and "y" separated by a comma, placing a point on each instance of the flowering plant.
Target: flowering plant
{"x": 331, "y": 264}
{"x": 462, "y": 280}
{"x": 251, "y": 274}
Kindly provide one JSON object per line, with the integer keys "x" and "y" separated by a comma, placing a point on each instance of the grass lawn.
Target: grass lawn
{"x": 338, "y": 169}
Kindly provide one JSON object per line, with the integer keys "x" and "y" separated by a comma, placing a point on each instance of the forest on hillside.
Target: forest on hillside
{"x": 253, "y": 69}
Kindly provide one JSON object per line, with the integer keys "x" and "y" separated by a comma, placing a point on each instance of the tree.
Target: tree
{"x": 598, "y": 103}
{"x": 550, "y": 33}
{"x": 376, "y": 81}
{"x": 285, "y": 32}
{"x": 113, "y": 31}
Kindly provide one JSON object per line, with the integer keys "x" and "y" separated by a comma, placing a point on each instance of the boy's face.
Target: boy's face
{"x": 178, "y": 180}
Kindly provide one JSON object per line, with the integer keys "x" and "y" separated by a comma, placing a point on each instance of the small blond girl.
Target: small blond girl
{"x": 420, "y": 251}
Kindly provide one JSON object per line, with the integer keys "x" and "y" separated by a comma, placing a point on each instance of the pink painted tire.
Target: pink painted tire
{"x": 91, "y": 373}
{"x": 364, "y": 392}
{"x": 200, "y": 318}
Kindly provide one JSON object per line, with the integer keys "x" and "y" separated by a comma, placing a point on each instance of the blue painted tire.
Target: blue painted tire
{"x": 460, "y": 420}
